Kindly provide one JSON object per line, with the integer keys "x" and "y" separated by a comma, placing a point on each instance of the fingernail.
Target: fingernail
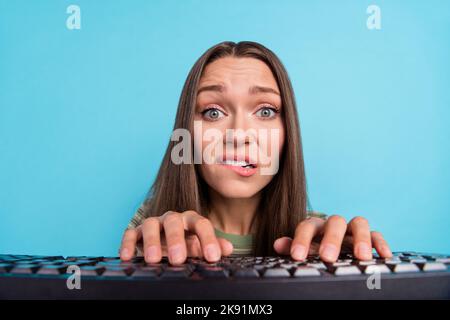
{"x": 329, "y": 252}
{"x": 299, "y": 252}
{"x": 212, "y": 252}
{"x": 152, "y": 251}
{"x": 364, "y": 251}
{"x": 175, "y": 253}
{"x": 125, "y": 252}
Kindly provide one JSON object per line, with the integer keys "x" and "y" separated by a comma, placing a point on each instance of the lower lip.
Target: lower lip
{"x": 245, "y": 172}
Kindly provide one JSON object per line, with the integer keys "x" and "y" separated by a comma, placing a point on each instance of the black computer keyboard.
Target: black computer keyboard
{"x": 408, "y": 275}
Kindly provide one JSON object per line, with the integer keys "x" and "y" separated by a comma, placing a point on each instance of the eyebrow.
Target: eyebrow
{"x": 260, "y": 89}
{"x": 252, "y": 90}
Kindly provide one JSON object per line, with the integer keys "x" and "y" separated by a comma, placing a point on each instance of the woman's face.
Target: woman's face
{"x": 239, "y": 94}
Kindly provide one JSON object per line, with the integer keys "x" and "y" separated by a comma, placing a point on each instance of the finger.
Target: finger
{"x": 227, "y": 246}
{"x": 282, "y": 245}
{"x": 204, "y": 229}
{"x": 129, "y": 240}
{"x": 334, "y": 232}
{"x": 362, "y": 243}
{"x": 304, "y": 233}
{"x": 151, "y": 233}
{"x": 381, "y": 245}
{"x": 174, "y": 234}
{"x": 194, "y": 247}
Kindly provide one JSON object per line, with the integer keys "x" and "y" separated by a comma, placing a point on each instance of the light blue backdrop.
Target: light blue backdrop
{"x": 85, "y": 115}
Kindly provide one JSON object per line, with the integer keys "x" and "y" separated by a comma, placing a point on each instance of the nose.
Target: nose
{"x": 240, "y": 131}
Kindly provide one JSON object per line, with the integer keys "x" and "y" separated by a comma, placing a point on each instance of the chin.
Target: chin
{"x": 230, "y": 185}
{"x": 236, "y": 189}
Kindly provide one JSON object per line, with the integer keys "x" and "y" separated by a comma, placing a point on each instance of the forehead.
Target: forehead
{"x": 236, "y": 70}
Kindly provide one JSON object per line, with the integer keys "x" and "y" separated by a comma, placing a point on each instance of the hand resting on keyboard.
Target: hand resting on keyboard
{"x": 199, "y": 241}
{"x": 313, "y": 236}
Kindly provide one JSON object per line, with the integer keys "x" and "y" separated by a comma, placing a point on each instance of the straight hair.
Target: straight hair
{"x": 284, "y": 199}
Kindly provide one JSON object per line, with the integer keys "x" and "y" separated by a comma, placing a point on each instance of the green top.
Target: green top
{"x": 242, "y": 244}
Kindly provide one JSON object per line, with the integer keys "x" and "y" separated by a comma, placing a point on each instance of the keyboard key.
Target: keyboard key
{"x": 24, "y": 268}
{"x": 404, "y": 267}
{"x": 375, "y": 268}
{"x": 155, "y": 265}
{"x": 407, "y": 253}
{"x": 49, "y": 263}
{"x": 246, "y": 273}
{"x": 304, "y": 271}
{"x": 276, "y": 273}
{"x": 53, "y": 257}
{"x": 91, "y": 271}
{"x": 341, "y": 263}
{"x": 269, "y": 264}
{"x": 37, "y": 261}
{"x": 432, "y": 266}
{"x": 259, "y": 267}
{"x": 59, "y": 261}
{"x": 204, "y": 264}
{"x": 391, "y": 261}
{"x": 317, "y": 265}
{"x": 81, "y": 262}
{"x": 415, "y": 259}
{"x": 445, "y": 260}
{"x": 74, "y": 258}
{"x": 345, "y": 270}
{"x": 176, "y": 272}
{"x": 52, "y": 270}
{"x": 114, "y": 263}
{"x": 213, "y": 272}
{"x": 99, "y": 258}
{"x": 287, "y": 265}
{"x": 110, "y": 258}
{"x": 366, "y": 262}
{"x": 147, "y": 272}
{"x": 5, "y": 267}
{"x": 117, "y": 272}
{"x": 8, "y": 259}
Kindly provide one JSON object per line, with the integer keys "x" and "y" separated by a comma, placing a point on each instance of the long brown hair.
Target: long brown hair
{"x": 284, "y": 199}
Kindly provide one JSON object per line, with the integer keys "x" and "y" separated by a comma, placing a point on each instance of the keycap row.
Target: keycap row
{"x": 217, "y": 271}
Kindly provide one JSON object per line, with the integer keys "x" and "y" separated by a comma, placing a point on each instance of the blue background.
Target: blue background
{"x": 85, "y": 115}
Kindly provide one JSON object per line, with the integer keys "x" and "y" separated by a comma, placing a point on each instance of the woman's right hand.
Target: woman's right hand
{"x": 199, "y": 240}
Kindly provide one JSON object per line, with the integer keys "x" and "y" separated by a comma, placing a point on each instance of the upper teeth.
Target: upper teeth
{"x": 236, "y": 163}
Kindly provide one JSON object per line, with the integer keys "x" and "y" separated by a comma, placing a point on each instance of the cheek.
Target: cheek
{"x": 276, "y": 141}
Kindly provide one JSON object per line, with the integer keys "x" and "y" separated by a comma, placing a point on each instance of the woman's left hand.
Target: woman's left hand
{"x": 334, "y": 235}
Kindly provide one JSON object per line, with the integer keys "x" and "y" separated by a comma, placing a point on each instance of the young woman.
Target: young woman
{"x": 214, "y": 209}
